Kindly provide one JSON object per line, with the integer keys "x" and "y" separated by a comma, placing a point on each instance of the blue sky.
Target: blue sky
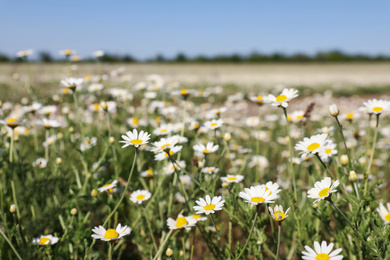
{"x": 146, "y": 28}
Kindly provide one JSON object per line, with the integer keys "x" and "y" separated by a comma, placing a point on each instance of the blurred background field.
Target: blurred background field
{"x": 344, "y": 79}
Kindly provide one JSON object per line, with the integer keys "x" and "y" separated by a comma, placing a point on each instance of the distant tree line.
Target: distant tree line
{"x": 255, "y": 57}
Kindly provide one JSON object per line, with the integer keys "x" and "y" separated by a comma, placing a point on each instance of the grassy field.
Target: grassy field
{"x": 70, "y": 190}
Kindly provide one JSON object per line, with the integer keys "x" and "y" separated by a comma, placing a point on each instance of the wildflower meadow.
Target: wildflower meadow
{"x": 111, "y": 168}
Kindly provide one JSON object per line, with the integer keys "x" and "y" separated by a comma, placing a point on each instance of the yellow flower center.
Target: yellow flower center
{"x": 96, "y": 106}
{"x": 377, "y": 109}
{"x": 324, "y": 192}
{"x": 111, "y": 190}
{"x": 289, "y": 118}
{"x": 165, "y": 146}
{"x": 12, "y": 122}
{"x": 196, "y": 216}
{"x": 313, "y": 146}
{"x": 140, "y": 197}
{"x": 232, "y": 178}
{"x": 300, "y": 117}
{"x": 259, "y": 98}
{"x": 65, "y": 91}
{"x": 68, "y": 52}
{"x": 257, "y": 199}
{"x": 135, "y": 121}
{"x": 281, "y": 215}
{"x": 184, "y": 92}
{"x": 170, "y": 153}
{"x": 136, "y": 141}
{"x": 350, "y": 116}
{"x": 281, "y": 98}
{"x": 163, "y": 130}
{"x": 387, "y": 217}
{"x": 181, "y": 222}
{"x": 157, "y": 119}
{"x": 328, "y": 150}
{"x": 214, "y": 124}
{"x": 206, "y": 151}
{"x": 150, "y": 172}
{"x": 209, "y": 207}
{"x": 111, "y": 234}
{"x": 322, "y": 256}
{"x": 43, "y": 240}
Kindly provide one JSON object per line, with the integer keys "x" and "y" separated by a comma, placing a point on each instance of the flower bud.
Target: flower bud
{"x": 111, "y": 140}
{"x": 333, "y": 110}
{"x": 60, "y": 135}
{"x": 73, "y": 211}
{"x": 227, "y": 137}
{"x": 169, "y": 252}
{"x": 12, "y": 209}
{"x": 352, "y": 176}
{"x": 94, "y": 193}
{"x": 71, "y": 129}
{"x": 58, "y": 160}
{"x": 225, "y": 184}
{"x": 344, "y": 159}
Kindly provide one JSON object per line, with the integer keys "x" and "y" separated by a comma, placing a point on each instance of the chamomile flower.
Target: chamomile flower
{"x": 259, "y": 99}
{"x": 98, "y": 54}
{"x": 88, "y": 143}
{"x": 213, "y": 124}
{"x": 312, "y": 145}
{"x": 95, "y": 87}
{"x": 170, "y": 167}
{"x": 209, "y": 206}
{"x": 164, "y": 129}
{"x": 282, "y": 99}
{"x": 67, "y": 52}
{"x": 259, "y": 161}
{"x": 72, "y": 83}
{"x": 165, "y": 144}
{"x": 110, "y": 188}
{"x": 181, "y": 222}
{"x": 168, "y": 152}
{"x": 45, "y": 240}
{"x": 139, "y": 196}
{"x": 322, "y": 252}
{"x": 48, "y": 110}
{"x": 322, "y": 189}
{"x": 277, "y": 213}
{"x": 110, "y": 234}
{"x": 134, "y": 138}
{"x": 24, "y": 53}
{"x": 257, "y": 195}
{"x": 272, "y": 186}
{"x": 252, "y": 121}
{"x": 374, "y": 106}
{"x": 384, "y": 213}
{"x": 48, "y": 124}
{"x": 12, "y": 122}
{"x": 198, "y": 217}
{"x": 40, "y": 163}
{"x": 209, "y": 148}
{"x": 210, "y": 170}
{"x": 232, "y": 178}
{"x": 328, "y": 151}
{"x": 296, "y": 116}
{"x": 148, "y": 173}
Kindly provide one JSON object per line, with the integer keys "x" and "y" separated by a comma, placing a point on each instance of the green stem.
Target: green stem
{"x": 249, "y": 236}
{"x": 109, "y": 251}
{"x": 163, "y": 245}
{"x": 15, "y": 200}
{"x": 124, "y": 192}
{"x": 345, "y": 143}
{"x": 372, "y": 154}
{"x": 10, "y": 244}
{"x": 11, "y": 149}
{"x": 278, "y": 247}
{"x": 76, "y": 104}
{"x": 47, "y": 146}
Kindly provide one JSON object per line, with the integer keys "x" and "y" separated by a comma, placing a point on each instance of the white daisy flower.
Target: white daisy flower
{"x": 384, "y": 213}
{"x": 164, "y": 129}
{"x": 95, "y": 87}
{"x": 45, "y": 240}
{"x": 322, "y": 252}
{"x": 49, "y": 123}
{"x": 259, "y": 161}
{"x": 181, "y": 222}
{"x": 328, "y": 151}
{"x": 277, "y": 213}
{"x": 170, "y": 167}
{"x": 259, "y": 99}
{"x": 198, "y": 217}
{"x": 272, "y": 186}
{"x": 208, "y": 205}
{"x": 48, "y": 110}
{"x": 213, "y": 124}
{"x": 322, "y": 189}
{"x": 312, "y": 145}
{"x": 282, "y": 99}
{"x": 135, "y": 138}
{"x": 296, "y": 116}
{"x": 110, "y": 234}
{"x": 40, "y": 163}
{"x": 258, "y": 195}
{"x": 209, "y": 148}
{"x": 98, "y": 54}
{"x": 164, "y": 144}
{"x": 67, "y": 52}
{"x": 374, "y": 106}
{"x": 210, "y": 170}
{"x": 148, "y": 173}
{"x": 110, "y": 188}
{"x": 72, "y": 83}
{"x": 24, "y": 53}
{"x": 232, "y": 178}
{"x": 165, "y": 154}
{"x": 88, "y": 143}
{"x": 139, "y": 196}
